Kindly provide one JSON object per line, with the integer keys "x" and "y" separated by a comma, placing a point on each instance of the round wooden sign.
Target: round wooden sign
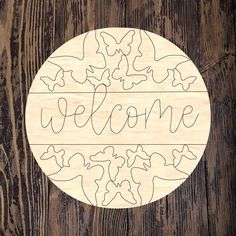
{"x": 118, "y": 117}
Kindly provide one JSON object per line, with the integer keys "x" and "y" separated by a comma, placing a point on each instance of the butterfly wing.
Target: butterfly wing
{"x": 79, "y": 67}
{"x": 96, "y": 80}
{"x": 121, "y": 69}
{"x": 184, "y": 83}
{"x": 126, "y": 41}
{"x": 75, "y": 169}
{"x": 146, "y": 53}
{"x": 170, "y": 62}
{"x": 121, "y": 73}
{"x": 188, "y": 81}
{"x": 110, "y": 42}
{"x": 133, "y": 80}
{"x": 51, "y": 83}
{"x": 160, "y": 169}
{"x": 91, "y": 52}
{"x": 114, "y": 167}
{"x": 110, "y": 193}
{"x": 126, "y": 192}
{"x": 145, "y": 188}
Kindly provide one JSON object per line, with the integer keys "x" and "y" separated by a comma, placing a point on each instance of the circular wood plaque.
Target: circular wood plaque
{"x": 118, "y": 117}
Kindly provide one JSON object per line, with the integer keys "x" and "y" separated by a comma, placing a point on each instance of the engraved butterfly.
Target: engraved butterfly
{"x": 135, "y": 156}
{"x": 179, "y": 81}
{"x": 184, "y": 153}
{"x": 57, "y": 81}
{"x": 123, "y": 189}
{"x": 113, "y": 46}
{"x": 79, "y": 66}
{"x": 52, "y": 153}
{"x": 108, "y": 155}
{"x": 95, "y": 79}
{"x": 122, "y": 73}
{"x": 158, "y": 67}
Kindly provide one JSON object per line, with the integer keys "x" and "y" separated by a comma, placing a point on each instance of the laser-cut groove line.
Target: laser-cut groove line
{"x": 107, "y": 173}
{"x": 121, "y": 92}
{"x": 156, "y": 102}
{"x": 119, "y": 144}
{"x": 113, "y": 188}
{"x": 118, "y": 49}
{"x": 181, "y": 58}
{"x": 108, "y": 37}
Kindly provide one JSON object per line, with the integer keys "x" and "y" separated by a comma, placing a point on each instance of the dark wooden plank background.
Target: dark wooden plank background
{"x": 30, "y": 30}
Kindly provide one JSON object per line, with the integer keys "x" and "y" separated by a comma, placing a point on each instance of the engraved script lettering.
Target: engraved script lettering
{"x": 131, "y": 118}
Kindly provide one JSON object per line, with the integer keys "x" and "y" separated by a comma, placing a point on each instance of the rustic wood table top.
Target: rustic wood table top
{"x": 30, "y": 31}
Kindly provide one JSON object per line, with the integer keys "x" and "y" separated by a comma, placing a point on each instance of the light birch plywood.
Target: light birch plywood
{"x": 118, "y": 117}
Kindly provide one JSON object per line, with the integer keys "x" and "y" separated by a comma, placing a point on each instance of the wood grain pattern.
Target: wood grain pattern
{"x": 30, "y": 31}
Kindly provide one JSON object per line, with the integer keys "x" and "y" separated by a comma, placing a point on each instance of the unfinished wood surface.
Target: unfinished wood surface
{"x": 30, "y": 31}
{"x": 118, "y": 117}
